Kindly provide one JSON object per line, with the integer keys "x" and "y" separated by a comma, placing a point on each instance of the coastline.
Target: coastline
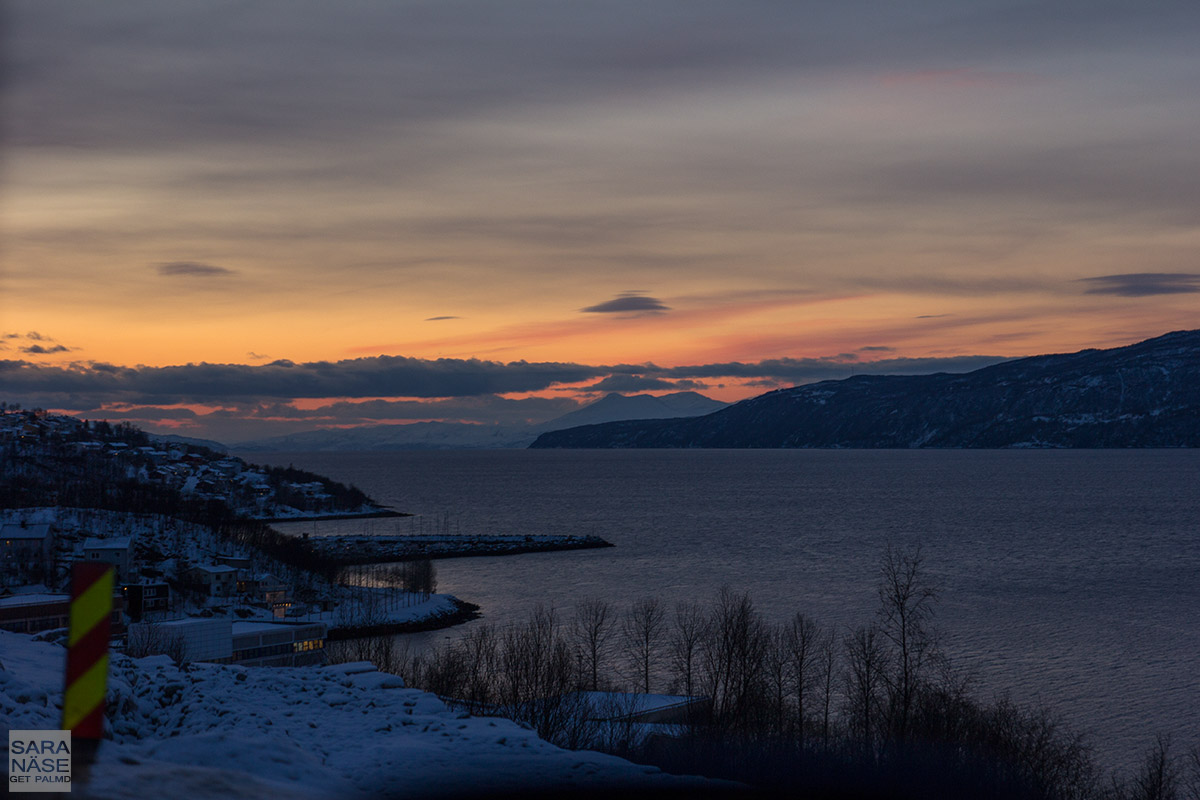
{"x": 377, "y": 514}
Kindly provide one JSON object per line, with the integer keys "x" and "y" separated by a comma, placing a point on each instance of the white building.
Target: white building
{"x": 279, "y": 644}
{"x": 219, "y": 579}
{"x": 220, "y": 640}
{"x": 117, "y": 551}
{"x": 184, "y": 639}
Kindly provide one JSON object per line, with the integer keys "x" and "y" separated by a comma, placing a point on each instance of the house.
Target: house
{"x": 230, "y": 560}
{"x": 30, "y": 613}
{"x": 117, "y": 551}
{"x": 637, "y": 707}
{"x": 620, "y": 720}
{"x": 227, "y": 467}
{"x": 26, "y": 549}
{"x": 152, "y": 454}
{"x": 272, "y": 589}
{"x": 146, "y": 600}
{"x": 218, "y": 580}
{"x": 267, "y": 589}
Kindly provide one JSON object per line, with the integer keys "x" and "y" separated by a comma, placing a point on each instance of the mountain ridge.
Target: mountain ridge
{"x": 1145, "y": 394}
{"x": 461, "y": 435}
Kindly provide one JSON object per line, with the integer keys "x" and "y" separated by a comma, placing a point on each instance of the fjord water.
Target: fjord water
{"x": 1069, "y": 577}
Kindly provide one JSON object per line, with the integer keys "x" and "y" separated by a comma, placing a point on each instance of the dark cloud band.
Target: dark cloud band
{"x": 193, "y": 269}
{"x": 393, "y": 376}
{"x": 628, "y": 303}
{"x": 1144, "y": 284}
{"x": 382, "y": 376}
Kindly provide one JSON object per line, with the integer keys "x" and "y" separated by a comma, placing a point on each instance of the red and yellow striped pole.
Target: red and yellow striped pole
{"x": 87, "y": 657}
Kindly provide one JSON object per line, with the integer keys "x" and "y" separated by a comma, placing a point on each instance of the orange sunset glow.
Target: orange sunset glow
{"x": 235, "y": 226}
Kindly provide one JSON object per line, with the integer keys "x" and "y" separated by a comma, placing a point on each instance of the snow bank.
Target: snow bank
{"x": 213, "y": 731}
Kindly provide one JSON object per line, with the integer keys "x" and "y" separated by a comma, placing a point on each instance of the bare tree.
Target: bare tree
{"x": 803, "y": 639}
{"x": 1191, "y": 781}
{"x": 1160, "y": 774}
{"x": 642, "y": 631}
{"x": 590, "y": 631}
{"x": 420, "y": 576}
{"x": 393, "y": 576}
{"x": 143, "y": 639}
{"x": 863, "y": 683}
{"x": 826, "y": 672}
{"x": 152, "y": 639}
{"x": 688, "y": 630}
{"x": 733, "y": 661}
{"x": 538, "y": 679}
{"x": 382, "y": 651}
{"x": 906, "y": 608}
{"x": 480, "y": 664}
{"x": 777, "y": 669}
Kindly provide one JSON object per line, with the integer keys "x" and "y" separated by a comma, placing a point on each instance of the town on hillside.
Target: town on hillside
{"x": 39, "y": 448}
{"x": 198, "y": 576}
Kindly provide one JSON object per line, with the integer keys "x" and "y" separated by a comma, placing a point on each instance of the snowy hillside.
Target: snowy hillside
{"x": 615, "y": 407}
{"x": 1143, "y": 395}
{"x": 212, "y": 731}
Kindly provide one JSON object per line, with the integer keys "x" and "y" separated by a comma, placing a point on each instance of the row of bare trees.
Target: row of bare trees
{"x": 798, "y": 704}
{"x": 376, "y": 591}
{"x": 417, "y": 577}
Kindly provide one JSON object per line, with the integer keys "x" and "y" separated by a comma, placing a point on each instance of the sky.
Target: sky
{"x": 239, "y": 219}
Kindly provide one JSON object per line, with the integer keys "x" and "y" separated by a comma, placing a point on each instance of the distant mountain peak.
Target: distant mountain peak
{"x": 462, "y": 436}
{"x": 1142, "y": 395}
{"x": 615, "y": 407}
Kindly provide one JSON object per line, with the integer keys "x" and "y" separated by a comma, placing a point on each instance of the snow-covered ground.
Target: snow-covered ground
{"x": 173, "y": 539}
{"x": 213, "y": 731}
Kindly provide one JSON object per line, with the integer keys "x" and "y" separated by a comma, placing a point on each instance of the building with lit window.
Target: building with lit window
{"x": 222, "y": 641}
{"x": 279, "y": 644}
{"x": 26, "y": 552}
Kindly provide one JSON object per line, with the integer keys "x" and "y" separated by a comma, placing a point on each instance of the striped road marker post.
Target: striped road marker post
{"x": 87, "y": 659}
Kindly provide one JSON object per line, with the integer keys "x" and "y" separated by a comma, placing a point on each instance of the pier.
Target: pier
{"x": 364, "y": 549}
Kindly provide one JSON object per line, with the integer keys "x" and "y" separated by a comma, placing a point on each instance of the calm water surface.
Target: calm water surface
{"x": 1071, "y": 577}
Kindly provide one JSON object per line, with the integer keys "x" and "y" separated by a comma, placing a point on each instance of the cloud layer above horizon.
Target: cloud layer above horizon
{"x": 457, "y": 199}
{"x": 390, "y": 377}
{"x": 227, "y": 400}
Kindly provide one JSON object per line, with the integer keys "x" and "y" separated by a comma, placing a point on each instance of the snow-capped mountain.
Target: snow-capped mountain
{"x": 1143, "y": 395}
{"x": 451, "y": 435}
